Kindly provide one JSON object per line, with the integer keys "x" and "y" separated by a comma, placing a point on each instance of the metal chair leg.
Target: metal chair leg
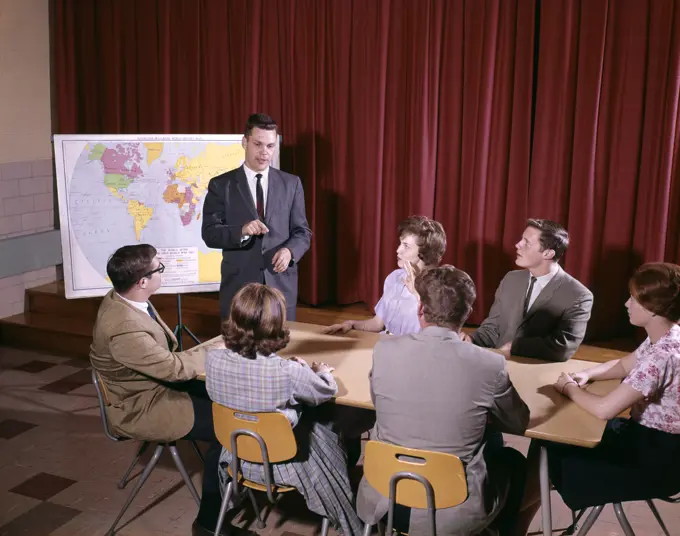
{"x": 223, "y": 508}
{"x": 145, "y": 474}
{"x": 253, "y": 501}
{"x": 575, "y": 518}
{"x": 623, "y": 520}
{"x": 182, "y": 471}
{"x": 367, "y": 529}
{"x": 140, "y": 451}
{"x": 592, "y": 517}
{"x": 198, "y": 451}
{"x": 657, "y": 515}
{"x": 325, "y": 525}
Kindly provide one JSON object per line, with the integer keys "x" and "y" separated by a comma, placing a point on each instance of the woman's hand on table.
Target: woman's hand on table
{"x": 581, "y": 378}
{"x": 320, "y": 368}
{"x": 563, "y": 381}
{"x": 339, "y": 328}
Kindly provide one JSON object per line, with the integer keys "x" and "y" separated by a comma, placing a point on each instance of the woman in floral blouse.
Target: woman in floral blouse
{"x": 638, "y": 458}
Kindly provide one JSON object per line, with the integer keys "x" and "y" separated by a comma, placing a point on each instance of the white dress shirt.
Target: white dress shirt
{"x": 541, "y": 283}
{"x": 142, "y": 306}
{"x": 252, "y": 184}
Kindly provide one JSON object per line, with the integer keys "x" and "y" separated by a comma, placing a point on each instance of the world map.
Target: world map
{"x": 127, "y": 192}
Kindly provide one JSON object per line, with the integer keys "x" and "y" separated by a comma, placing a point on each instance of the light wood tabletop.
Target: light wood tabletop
{"x": 553, "y": 417}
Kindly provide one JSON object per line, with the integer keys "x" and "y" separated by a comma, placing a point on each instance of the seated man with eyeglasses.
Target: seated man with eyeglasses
{"x": 152, "y": 388}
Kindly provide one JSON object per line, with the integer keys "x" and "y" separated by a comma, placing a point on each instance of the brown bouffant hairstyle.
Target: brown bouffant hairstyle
{"x": 446, "y": 295}
{"x": 261, "y": 121}
{"x": 656, "y": 286}
{"x": 553, "y": 236}
{"x": 430, "y": 237}
{"x": 128, "y": 265}
{"x": 256, "y": 322}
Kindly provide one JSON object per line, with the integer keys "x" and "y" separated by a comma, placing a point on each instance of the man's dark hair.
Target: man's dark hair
{"x": 261, "y": 121}
{"x": 553, "y": 236}
{"x": 447, "y": 295}
{"x": 128, "y": 265}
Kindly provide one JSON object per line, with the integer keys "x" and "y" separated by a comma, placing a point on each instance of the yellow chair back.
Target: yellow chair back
{"x": 274, "y": 428}
{"x": 445, "y": 472}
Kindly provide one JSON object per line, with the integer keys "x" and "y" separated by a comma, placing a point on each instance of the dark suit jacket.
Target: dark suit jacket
{"x": 552, "y": 329}
{"x": 229, "y": 206}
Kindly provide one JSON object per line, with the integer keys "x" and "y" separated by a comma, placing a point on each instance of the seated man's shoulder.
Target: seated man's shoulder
{"x": 417, "y": 344}
{"x": 482, "y": 356}
{"x": 514, "y": 276}
{"x": 393, "y": 344}
{"x": 573, "y": 285}
{"x": 117, "y": 317}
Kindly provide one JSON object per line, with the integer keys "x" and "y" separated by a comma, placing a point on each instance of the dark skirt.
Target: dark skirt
{"x": 631, "y": 463}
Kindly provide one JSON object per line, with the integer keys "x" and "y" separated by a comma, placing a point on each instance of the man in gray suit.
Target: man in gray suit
{"x": 256, "y": 215}
{"x": 432, "y": 391}
{"x": 540, "y": 311}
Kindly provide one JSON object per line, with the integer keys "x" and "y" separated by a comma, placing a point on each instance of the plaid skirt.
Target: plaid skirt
{"x": 318, "y": 472}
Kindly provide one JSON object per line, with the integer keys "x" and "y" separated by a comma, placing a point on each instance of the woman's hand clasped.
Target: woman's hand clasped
{"x": 581, "y": 378}
{"x": 562, "y": 382}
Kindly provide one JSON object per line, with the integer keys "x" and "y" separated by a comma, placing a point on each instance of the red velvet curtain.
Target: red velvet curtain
{"x": 479, "y": 113}
{"x": 605, "y": 147}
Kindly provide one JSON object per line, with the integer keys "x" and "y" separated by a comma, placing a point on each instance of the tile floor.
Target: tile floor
{"x": 59, "y": 473}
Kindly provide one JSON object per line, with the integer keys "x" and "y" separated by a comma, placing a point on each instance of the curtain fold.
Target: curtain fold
{"x": 479, "y": 113}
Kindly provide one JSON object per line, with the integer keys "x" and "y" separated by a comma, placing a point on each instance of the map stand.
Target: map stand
{"x": 181, "y": 327}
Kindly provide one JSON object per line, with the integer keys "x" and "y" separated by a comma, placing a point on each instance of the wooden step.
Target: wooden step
{"x": 59, "y": 335}
{"x": 60, "y": 326}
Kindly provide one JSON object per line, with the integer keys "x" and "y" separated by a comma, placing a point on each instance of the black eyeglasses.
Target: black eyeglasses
{"x": 160, "y": 270}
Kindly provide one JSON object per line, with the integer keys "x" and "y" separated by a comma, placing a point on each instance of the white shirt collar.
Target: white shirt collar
{"x": 543, "y": 280}
{"x": 250, "y": 174}
{"x": 142, "y": 306}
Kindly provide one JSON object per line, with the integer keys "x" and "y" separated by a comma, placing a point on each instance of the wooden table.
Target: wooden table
{"x": 553, "y": 417}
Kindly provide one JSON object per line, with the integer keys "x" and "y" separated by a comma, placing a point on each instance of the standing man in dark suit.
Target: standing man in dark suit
{"x": 540, "y": 311}
{"x": 256, "y": 215}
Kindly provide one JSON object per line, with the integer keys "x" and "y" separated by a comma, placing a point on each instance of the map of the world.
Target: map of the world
{"x": 115, "y": 191}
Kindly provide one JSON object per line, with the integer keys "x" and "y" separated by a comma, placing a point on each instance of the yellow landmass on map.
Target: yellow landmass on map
{"x": 114, "y": 192}
{"x": 209, "y": 267}
{"x": 153, "y": 151}
{"x": 214, "y": 160}
{"x": 141, "y": 215}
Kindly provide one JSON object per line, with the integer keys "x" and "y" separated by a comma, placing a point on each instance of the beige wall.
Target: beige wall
{"x": 26, "y": 179}
{"x": 25, "y": 125}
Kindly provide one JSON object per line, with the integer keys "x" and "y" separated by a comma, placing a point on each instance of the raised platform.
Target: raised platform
{"x": 53, "y": 324}
{"x": 56, "y": 325}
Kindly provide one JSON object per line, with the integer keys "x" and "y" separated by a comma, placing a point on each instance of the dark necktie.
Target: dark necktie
{"x": 153, "y": 315}
{"x": 528, "y": 296}
{"x": 260, "y": 197}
